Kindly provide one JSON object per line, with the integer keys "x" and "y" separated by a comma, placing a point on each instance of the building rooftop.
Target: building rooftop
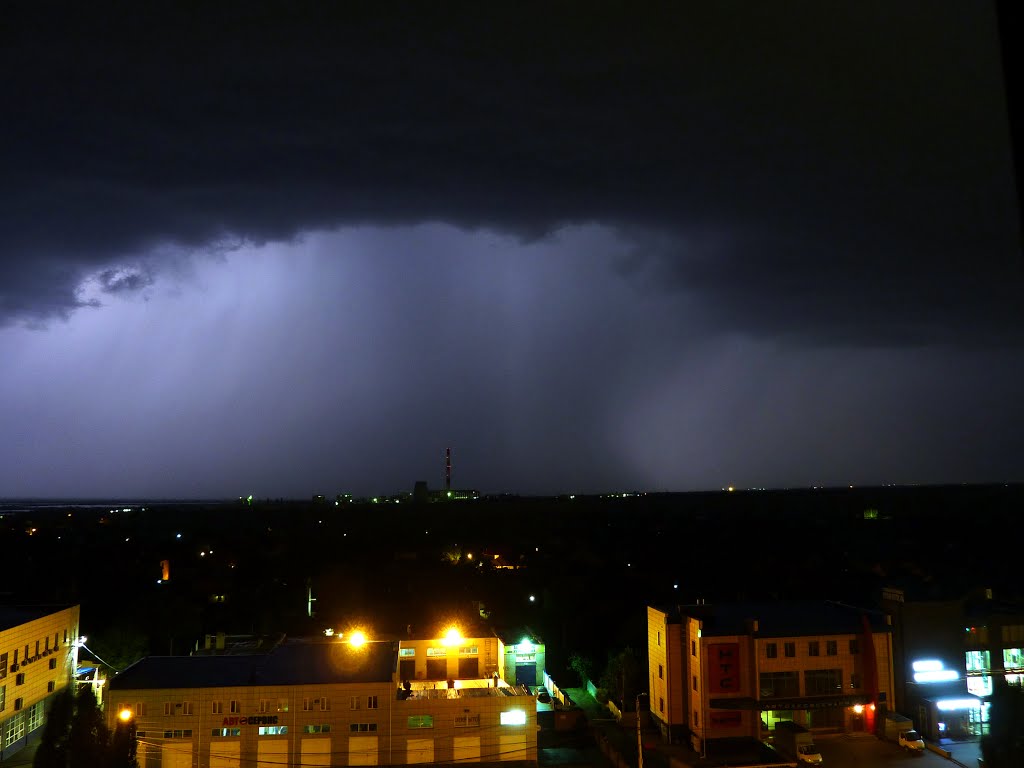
{"x": 15, "y": 615}
{"x": 292, "y": 663}
{"x": 782, "y": 618}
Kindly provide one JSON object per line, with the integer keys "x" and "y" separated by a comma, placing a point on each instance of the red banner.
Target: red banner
{"x": 724, "y": 668}
{"x": 726, "y": 719}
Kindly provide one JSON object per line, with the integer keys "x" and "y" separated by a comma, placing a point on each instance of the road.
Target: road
{"x": 865, "y": 751}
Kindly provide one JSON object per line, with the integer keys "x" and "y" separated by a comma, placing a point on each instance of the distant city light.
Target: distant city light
{"x": 177, "y": 536}
{"x": 532, "y": 599}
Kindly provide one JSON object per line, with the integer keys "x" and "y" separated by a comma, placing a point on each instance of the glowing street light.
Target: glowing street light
{"x": 357, "y": 639}
{"x": 125, "y": 715}
{"x": 452, "y": 636}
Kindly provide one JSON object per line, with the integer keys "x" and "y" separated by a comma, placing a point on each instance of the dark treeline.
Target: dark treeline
{"x": 591, "y": 564}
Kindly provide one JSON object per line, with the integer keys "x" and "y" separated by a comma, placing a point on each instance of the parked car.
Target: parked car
{"x": 809, "y": 754}
{"x": 912, "y": 742}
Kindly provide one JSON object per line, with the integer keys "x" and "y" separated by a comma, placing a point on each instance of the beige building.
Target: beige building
{"x": 735, "y": 670}
{"x": 37, "y": 659}
{"x": 321, "y": 703}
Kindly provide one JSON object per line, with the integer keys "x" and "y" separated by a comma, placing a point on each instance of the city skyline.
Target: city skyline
{"x": 680, "y": 249}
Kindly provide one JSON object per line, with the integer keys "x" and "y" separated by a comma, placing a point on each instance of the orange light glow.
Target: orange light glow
{"x": 452, "y": 636}
{"x": 125, "y": 715}
{"x": 357, "y": 639}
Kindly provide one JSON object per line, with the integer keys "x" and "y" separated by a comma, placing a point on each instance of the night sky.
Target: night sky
{"x": 273, "y": 250}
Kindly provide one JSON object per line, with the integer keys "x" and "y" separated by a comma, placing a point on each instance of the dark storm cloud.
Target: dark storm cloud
{"x": 836, "y": 171}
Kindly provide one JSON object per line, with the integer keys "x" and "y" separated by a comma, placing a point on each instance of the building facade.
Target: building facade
{"x": 318, "y": 703}
{"x": 38, "y": 655}
{"x": 735, "y": 670}
{"x": 950, "y": 656}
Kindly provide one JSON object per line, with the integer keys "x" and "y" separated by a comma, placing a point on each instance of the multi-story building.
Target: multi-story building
{"x": 38, "y": 647}
{"x": 950, "y": 654}
{"x": 321, "y": 702}
{"x": 735, "y": 670}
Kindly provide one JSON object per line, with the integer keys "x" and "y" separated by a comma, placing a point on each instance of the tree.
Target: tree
{"x": 52, "y": 751}
{"x": 1003, "y": 746}
{"x": 123, "y": 746}
{"x": 76, "y": 735}
{"x": 582, "y": 666}
{"x": 89, "y": 737}
{"x": 623, "y": 676}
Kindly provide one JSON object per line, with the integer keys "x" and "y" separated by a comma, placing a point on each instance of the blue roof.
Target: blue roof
{"x": 784, "y": 618}
{"x": 293, "y": 663}
{"x": 16, "y": 615}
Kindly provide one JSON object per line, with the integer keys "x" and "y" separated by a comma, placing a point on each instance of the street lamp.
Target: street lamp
{"x": 639, "y": 733}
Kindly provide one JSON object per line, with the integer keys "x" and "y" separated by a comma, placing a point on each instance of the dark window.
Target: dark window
{"x": 771, "y": 650}
{"x": 776, "y": 685}
{"x": 831, "y": 648}
{"x": 813, "y": 648}
{"x": 855, "y": 680}
{"x": 469, "y": 667}
{"x": 437, "y": 669}
{"x": 661, "y": 672}
{"x": 19, "y": 679}
{"x": 3, "y": 665}
{"x": 789, "y": 649}
{"x": 693, "y": 647}
{"x": 51, "y": 686}
{"x": 822, "y": 682}
{"x": 53, "y": 663}
{"x": 855, "y": 646}
{"x": 695, "y": 682}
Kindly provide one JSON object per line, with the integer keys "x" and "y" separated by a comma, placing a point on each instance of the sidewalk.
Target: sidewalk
{"x": 22, "y": 758}
{"x": 966, "y": 753}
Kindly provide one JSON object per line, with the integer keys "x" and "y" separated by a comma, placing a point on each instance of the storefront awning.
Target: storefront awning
{"x": 809, "y": 702}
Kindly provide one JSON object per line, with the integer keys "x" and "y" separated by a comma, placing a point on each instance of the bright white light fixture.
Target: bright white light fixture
{"x": 514, "y": 717}
{"x": 942, "y": 676}
{"x": 933, "y": 671}
{"x": 948, "y": 705}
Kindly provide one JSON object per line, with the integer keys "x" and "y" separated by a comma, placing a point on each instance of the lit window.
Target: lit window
{"x": 425, "y": 721}
{"x": 513, "y": 717}
{"x": 273, "y": 730}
